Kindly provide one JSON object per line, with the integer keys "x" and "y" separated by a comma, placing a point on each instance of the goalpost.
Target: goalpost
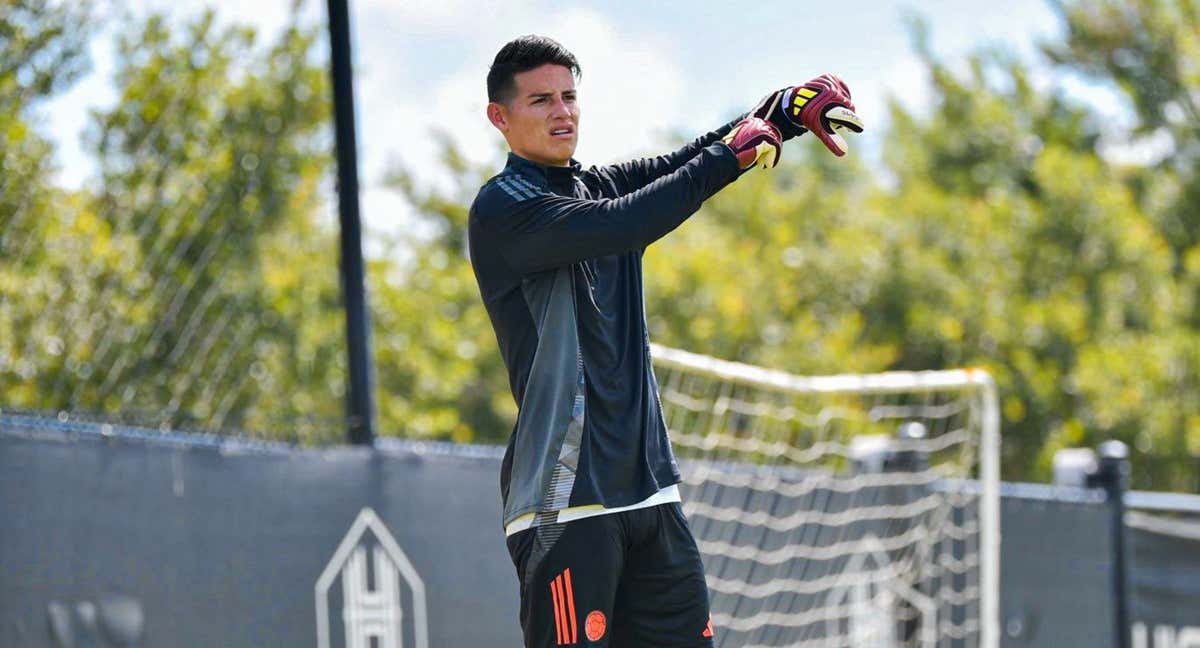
{"x": 850, "y": 510}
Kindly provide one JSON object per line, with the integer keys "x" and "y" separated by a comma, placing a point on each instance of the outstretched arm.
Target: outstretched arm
{"x": 535, "y": 230}
{"x": 821, "y": 105}
{"x": 635, "y": 174}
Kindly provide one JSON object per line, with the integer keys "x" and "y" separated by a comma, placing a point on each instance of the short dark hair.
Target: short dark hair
{"x": 521, "y": 55}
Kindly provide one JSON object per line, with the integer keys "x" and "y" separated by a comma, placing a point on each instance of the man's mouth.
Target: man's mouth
{"x": 563, "y": 131}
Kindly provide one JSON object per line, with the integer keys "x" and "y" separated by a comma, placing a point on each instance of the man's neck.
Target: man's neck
{"x": 563, "y": 163}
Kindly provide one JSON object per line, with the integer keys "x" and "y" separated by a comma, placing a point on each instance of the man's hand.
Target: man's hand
{"x": 754, "y": 140}
{"x": 822, "y": 106}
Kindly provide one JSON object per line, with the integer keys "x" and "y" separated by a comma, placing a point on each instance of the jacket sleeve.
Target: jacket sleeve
{"x": 635, "y": 174}
{"x": 535, "y": 230}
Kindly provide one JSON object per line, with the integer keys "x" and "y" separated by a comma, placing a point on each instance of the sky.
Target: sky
{"x": 650, "y": 69}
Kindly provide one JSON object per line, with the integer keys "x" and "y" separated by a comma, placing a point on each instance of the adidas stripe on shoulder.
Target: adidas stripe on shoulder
{"x": 517, "y": 188}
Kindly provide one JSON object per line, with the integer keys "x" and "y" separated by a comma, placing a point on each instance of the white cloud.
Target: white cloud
{"x": 632, "y": 89}
{"x": 904, "y": 78}
{"x": 1143, "y": 151}
{"x": 67, "y": 117}
{"x": 1108, "y": 101}
{"x": 462, "y": 17}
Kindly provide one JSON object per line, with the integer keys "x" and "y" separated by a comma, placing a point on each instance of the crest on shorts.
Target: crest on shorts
{"x": 595, "y": 626}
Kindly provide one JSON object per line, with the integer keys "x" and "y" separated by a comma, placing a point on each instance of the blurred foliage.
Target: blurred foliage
{"x": 197, "y": 280}
{"x": 42, "y": 47}
{"x": 1144, "y": 385}
{"x": 41, "y": 51}
{"x": 437, "y": 371}
{"x": 211, "y": 158}
{"x": 192, "y": 287}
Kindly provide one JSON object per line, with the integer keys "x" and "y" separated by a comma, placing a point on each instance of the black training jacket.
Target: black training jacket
{"x": 557, "y": 253}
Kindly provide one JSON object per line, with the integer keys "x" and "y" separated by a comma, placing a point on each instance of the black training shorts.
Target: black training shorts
{"x": 627, "y": 580}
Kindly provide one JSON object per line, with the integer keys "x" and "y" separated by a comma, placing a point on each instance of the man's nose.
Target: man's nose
{"x": 561, "y": 109}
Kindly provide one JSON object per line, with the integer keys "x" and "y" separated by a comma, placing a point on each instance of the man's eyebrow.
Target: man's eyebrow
{"x": 534, "y": 95}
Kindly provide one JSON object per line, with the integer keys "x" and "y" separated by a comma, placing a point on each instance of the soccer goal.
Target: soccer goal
{"x": 850, "y": 510}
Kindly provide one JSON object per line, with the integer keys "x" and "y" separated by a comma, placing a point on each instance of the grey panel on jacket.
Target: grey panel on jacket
{"x": 550, "y": 425}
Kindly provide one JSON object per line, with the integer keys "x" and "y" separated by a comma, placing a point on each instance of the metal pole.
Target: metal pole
{"x": 1113, "y": 477}
{"x": 989, "y": 512}
{"x": 360, "y": 412}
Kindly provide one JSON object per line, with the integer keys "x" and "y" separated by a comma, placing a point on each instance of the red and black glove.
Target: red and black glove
{"x": 822, "y": 106}
{"x": 754, "y": 140}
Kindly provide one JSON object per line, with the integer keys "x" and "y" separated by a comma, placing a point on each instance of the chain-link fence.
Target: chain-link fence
{"x": 191, "y": 282}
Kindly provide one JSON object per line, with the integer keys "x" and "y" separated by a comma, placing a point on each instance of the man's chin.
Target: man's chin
{"x": 562, "y": 156}
{"x": 565, "y": 148}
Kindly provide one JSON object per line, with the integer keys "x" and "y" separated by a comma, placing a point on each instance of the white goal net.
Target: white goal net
{"x": 852, "y": 510}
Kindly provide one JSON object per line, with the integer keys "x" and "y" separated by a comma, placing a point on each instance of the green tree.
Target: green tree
{"x": 211, "y": 159}
{"x": 41, "y": 52}
{"x": 41, "y": 49}
{"x": 438, "y": 372}
{"x": 1044, "y": 254}
{"x": 1146, "y": 387}
{"x": 1147, "y": 50}
{"x": 197, "y": 286}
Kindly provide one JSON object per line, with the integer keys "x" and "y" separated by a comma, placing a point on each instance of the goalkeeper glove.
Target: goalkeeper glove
{"x": 822, "y": 106}
{"x": 753, "y": 140}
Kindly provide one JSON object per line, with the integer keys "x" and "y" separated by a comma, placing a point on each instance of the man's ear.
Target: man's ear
{"x": 498, "y": 115}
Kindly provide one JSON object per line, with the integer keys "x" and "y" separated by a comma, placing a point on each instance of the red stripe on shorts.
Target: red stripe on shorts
{"x": 571, "y": 607}
{"x": 557, "y": 604}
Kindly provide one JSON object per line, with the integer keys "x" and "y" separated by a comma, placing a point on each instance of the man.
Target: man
{"x": 591, "y": 503}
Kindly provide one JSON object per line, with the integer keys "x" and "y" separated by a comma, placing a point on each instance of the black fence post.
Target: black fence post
{"x": 360, "y": 411}
{"x": 1112, "y": 475}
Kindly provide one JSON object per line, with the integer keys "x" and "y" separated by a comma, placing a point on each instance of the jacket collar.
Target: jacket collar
{"x": 551, "y": 175}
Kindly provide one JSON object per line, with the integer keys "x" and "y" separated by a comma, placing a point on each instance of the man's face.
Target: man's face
{"x": 541, "y": 122}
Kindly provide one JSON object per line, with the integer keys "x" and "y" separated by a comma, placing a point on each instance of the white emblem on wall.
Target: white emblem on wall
{"x": 372, "y": 595}
{"x": 870, "y": 590}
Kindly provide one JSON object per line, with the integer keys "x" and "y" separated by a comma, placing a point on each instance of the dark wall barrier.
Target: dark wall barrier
{"x": 116, "y": 537}
{"x": 195, "y": 542}
{"x": 1055, "y": 568}
{"x": 1165, "y": 577}
{"x": 1056, "y": 562}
